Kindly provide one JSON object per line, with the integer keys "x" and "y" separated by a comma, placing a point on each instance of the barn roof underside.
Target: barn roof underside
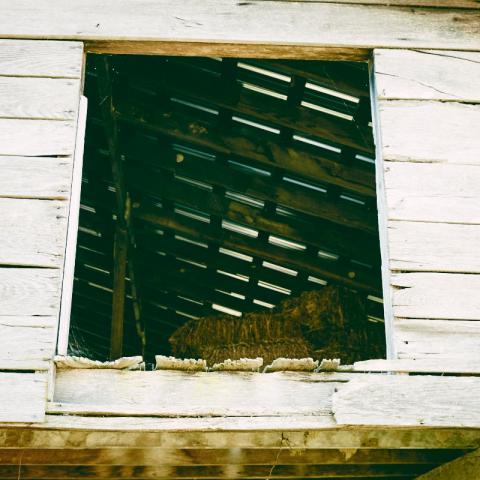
{"x": 249, "y": 181}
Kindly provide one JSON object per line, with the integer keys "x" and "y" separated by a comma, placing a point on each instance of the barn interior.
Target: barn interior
{"x": 218, "y": 188}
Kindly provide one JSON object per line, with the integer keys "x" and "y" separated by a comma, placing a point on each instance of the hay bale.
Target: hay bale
{"x": 329, "y": 323}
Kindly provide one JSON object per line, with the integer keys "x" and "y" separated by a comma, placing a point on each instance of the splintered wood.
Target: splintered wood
{"x": 330, "y": 323}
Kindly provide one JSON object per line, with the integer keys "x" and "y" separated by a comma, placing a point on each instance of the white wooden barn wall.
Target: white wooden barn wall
{"x": 428, "y": 114}
{"x": 40, "y": 83}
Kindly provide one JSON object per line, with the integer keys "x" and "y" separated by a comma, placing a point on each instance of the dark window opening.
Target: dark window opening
{"x": 228, "y": 204}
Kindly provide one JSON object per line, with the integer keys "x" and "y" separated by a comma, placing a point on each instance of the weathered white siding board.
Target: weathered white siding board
{"x": 430, "y": 131}
{"x": 424, "y": 365}
{"x": 36, "y": 137}
{"x": 22, "y": 397}
{"x": 289, "y": 23}
{"x": 42, "y": 98}
{"x": 428, "y": 123}
{"x": 33, "y": 232}
{"x": 40, "y": 86}
{"x": 436, "y": 296}
{"x": 427, "y": 192}
{"x": 29, "y": 291}
{"x": 50, "y": 59}
{"x": 27, "y": 342}
{"x": 169, "y": 393}
{"x": 434, "y": 247}
{"x": 30, "y": 177}
{"x": 408, "y": 400}
{"x": 428, "y": 75}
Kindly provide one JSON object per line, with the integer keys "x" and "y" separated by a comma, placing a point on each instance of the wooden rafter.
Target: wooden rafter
{"x": 124, "y": 244}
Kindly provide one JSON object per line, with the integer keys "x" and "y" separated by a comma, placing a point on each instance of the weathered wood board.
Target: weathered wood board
{"x": 40, "y": 85}
{"x": 22, "y": 397}
{"x": 461, "y": 468}
{"x": 173, "y": 394}
{"x": 427, "y": 75}
{"x": 289, "y": 23}
{"x": 408, "y": 400}
{"x": 428, "y": 150}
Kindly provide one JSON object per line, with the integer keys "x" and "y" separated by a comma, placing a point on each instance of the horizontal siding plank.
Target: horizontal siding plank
{"x": 441, "y": 340}
{"x": 436, "y": 296}
{"x": 165, "y": 393}
{"x": 434, "y": 247}
{"x": 409, "y": 400}
{"x": 36, "y": 137}
{"x": 39, "y": 98}
{"x": 432, "y": 132}
{"x": 30, "y": 177}
{"x": 290, "y": 23}
{"x": 428, "y": 75}
{"x": 22, "y": 397}
{"x": 33, "y": 232}
{"x": 26, "y": 342}
{"x": 429, "y": 192}
{"x": 29, "y": 291}
{"x": 423, "y": 365}
{"x": 39, "y": 58}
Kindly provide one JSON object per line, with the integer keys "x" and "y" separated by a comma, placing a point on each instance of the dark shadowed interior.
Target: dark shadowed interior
{"x": 217, "y": 187}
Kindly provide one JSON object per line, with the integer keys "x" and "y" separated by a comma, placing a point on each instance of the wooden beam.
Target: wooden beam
{"x": 462, "y": 468}
{"x": 124, "y": 245}
{"x": 289, "y": 24}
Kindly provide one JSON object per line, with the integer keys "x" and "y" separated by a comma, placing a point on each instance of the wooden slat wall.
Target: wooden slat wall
{"x": 428, "y": 113}
{"x": 40, "y": 85}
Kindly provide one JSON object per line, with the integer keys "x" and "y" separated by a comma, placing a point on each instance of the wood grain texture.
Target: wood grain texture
{"x": 434, "y": 247}
{"x": 223, "y": 21}
{"x": 424, "y": 365}
{"x": 39, "y": 98}
{"x": 428, "y": 75}
{"x": 405, "y": 3}
{"x": 436, "y": 296}
{"x": 73, "y": 432}
{"x": 36, "y": 137}
{"x": 33, "y": 232}
{"x": 445, "y": 341}
{"x": 427, "y": 192}
{"x": 453, "y": 126}
{"x": 30, "y": 177}
{"x": 22, "y": 397}
{"x": 27, "y": 342}
{"x": 166, "y": 393}
{"x": 408, "y": 400}
{"x": 461, "y": 468}
{"x": 29, "y": 291}
{"x": 54, "y": 59}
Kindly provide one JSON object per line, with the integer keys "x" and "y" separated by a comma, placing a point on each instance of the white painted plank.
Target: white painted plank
{"x": 38, "y": 58}
{"x": 434, "y": 247}
{"x": 26, "y": 342}
{"x": 428, "y": 131}
{"x": 30, "y": 177}
{"x": 33, "y": 232}
{"x": 22, "y": 397}
{"x": 165, "y": 393}
{"x": 288, "y": 23}
{"x": 436, "y": 296}
{"x": 428, "y": 75}
{"x": 429, "y": 192}
{"x": 443, "y": 341}
{"x": 29, "y": 291}
{"x": 423, "y": 365}
{"x": 39, "y": 98}
{"x": 72, "y": 232}
{"x": 36, "y": 137}
{"x": 409, "y": 400}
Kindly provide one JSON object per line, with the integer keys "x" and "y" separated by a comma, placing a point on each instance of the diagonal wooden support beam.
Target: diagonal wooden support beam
{"x": 463, "y": 468}
{"x": 124, "y": 244}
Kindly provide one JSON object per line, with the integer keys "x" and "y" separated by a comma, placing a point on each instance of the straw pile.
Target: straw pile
{"x": 329, "y": 323}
